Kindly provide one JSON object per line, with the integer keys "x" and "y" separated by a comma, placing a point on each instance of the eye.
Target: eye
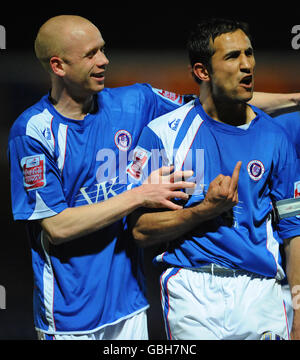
{"x": 249, "y": 52}
{"x": 232, "y": 55}
{"x": 91, "y": 54}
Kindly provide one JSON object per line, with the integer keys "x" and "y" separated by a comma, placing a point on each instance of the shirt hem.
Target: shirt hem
{"x": 81, "y": 332}
{"x": 41, "y": 215}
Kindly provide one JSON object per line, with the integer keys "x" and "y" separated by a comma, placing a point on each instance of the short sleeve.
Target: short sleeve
{"x": 284, "y": 186}
{"x": 36, "y": 184}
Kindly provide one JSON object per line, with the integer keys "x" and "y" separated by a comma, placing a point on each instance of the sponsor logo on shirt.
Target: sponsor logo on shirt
{"x": 173, "y": 124}
{"x": 99, "y": 192}
{"x": 34, "y": 175}
{"x": 255, "y": 169}
{"x": 47, "y": 134}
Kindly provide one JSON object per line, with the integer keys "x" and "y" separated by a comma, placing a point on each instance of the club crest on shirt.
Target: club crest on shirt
{"x": 34, "y": 174}
{"x": 123, "y": 140}
{"x": 255, "y": 169}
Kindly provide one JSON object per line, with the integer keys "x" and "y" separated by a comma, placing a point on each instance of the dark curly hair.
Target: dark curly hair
{"x": 199, "y": 42}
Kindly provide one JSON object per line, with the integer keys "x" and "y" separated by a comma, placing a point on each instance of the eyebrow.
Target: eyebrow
{"x": 91, "y": 50}
{"x": 234, "y": 53}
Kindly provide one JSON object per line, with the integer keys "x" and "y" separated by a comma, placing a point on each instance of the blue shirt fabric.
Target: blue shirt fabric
{"x": 57, "y": 163}
{"x": 245, "y": 239}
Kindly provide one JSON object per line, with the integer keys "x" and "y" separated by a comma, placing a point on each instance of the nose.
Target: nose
{"x": 101, "y": 59}
{"x": 247, "y": 63}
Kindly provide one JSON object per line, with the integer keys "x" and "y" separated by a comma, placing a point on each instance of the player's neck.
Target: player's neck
{"x": 70, "y": 105}
{"x": 223, "y": 110}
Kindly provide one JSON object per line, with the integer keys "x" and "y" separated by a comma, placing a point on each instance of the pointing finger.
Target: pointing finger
{"x": 235, "y": 176}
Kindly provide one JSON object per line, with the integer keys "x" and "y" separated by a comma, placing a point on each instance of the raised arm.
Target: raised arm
{"x": 149, "y": 228}
{"x": 270, "y": 102}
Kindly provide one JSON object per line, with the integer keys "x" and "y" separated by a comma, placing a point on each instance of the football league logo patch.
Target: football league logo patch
{"x": 255, "y": 169}
{"x": 297, "y": 189}
{"x": 170, "y": 95}
{"x": 34, "y": 174}
{"x": 123, "y": 140}
{"x": 140, "y": 160}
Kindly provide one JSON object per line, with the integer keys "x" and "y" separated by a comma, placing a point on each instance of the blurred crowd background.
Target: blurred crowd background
{"x": 144, "y": 43}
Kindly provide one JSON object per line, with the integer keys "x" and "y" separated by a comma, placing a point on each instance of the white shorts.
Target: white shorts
{"x": 133, "y": 328}
{"x": 204, "y": 306}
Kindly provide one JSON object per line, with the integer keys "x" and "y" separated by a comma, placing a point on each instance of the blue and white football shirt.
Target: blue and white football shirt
{"x": 56, "y": 163}
{"x": 289, "y": 120}
{"x": 190, "y": 139}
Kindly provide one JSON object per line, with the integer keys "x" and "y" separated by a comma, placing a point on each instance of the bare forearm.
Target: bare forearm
{"x": 270, "y": 102}
{"x": 293, "y": 261}
{"x": 150, "y": 228}
{"x": 293, "y": 275}
{"x": 157, "y": 227}
{"x": 75, "y": 222}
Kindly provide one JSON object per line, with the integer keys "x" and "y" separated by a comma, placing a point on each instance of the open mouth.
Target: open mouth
{"x": 247, "y": 81}
{"x": 98, "y": 76}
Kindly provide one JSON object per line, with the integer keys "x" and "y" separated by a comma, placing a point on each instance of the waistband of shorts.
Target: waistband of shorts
{"x": 215, "y": 269}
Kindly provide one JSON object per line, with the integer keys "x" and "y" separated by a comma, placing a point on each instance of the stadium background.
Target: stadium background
{"x": 144, "y": 44}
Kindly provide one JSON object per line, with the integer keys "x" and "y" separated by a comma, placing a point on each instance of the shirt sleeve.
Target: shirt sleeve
{"x": 36, "y": 184}
{"x": 163, "y": 101}
{"x": 284, "y": 186}
{"x": 289, "y": 121}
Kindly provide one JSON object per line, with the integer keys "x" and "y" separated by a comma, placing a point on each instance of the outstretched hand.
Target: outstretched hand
{"x": 163, "y": 185}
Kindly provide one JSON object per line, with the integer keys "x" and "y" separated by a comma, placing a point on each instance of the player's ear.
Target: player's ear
{"x": 200, "y": 72}
{"x": 57, "y": 66}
